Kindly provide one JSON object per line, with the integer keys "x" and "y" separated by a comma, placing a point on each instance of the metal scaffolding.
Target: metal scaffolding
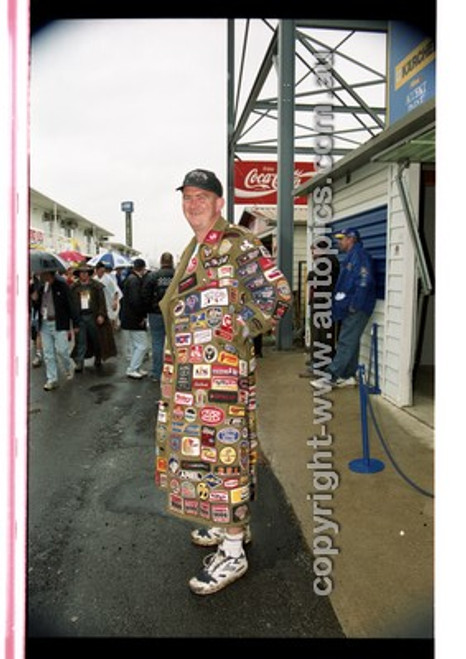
{"x": 310, "y": 70}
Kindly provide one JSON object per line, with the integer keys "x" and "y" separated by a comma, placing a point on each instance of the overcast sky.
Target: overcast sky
{"x": 121, "y": 110}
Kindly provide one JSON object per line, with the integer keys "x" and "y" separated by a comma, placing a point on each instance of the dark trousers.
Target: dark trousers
{"x": 87, "y": 341}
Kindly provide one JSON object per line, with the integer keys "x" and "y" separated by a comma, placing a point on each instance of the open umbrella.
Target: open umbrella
{"x": 111, "y": 259}
{"x": 42, "y": 261}
{"x": 72, "y": 256}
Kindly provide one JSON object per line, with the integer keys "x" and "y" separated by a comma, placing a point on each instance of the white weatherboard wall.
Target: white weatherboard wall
{"x": 400, "y": 287}
{"x": 366, "y": 189}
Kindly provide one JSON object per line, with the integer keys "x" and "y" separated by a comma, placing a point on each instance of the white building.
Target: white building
{"x": 54, "y": 227}
{"x": 386, "y": 189}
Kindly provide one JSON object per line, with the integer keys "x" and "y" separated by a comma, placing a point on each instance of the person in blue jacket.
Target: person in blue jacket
{"x": 353, "y": 304}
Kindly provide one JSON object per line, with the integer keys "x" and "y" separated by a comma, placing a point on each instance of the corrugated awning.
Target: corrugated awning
{"x": 417, "y": 148}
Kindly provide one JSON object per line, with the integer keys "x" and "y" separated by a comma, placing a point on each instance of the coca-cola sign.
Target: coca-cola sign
{"x": 256, "y": 182}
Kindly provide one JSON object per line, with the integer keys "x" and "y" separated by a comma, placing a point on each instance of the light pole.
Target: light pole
{"x": 127, "y": 207}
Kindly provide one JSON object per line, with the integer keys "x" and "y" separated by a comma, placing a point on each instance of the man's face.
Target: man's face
{"x": 201, "y": 208}
{"x": 84, "y": 276}
{"x": 47, "y": 277}
{"x": 345, "y": 243}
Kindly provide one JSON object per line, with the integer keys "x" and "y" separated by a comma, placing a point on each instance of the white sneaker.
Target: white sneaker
{"x": 135, "y": 375}
{"x": 346, "y": 382}
{"x": 50, "y": 384}
{"x": 37, "y": 361}
{"x": 70, "y": 374}
{"x": 209, "y": 537}
{"x": 142, "y": 372}
{"x": 219, "y": 570}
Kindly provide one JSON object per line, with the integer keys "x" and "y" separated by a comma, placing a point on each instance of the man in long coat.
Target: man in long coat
{"x": 226, "y": 290}
{"x": 95, "y": 336}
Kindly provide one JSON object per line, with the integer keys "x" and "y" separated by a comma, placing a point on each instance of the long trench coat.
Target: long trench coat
{"x": 224, "y": 292}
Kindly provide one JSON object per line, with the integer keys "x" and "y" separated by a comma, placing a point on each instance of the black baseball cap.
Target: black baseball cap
{"x": 204, "y": 179}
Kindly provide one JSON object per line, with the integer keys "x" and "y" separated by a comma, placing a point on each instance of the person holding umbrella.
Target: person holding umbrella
{"x": 95, "y": 336}
{"x": 56, "y": 314}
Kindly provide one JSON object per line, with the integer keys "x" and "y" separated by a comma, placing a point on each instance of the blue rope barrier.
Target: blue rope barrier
{"x": 366, "y": 464}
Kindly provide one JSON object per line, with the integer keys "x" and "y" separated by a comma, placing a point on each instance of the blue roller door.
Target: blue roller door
{"x": 372, "y": 225}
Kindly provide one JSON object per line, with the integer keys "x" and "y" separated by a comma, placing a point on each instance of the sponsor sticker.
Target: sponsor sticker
{"x": 196, "y": 354}
{"x": 228, "y": 435}
{"x": 213, "y": 237}
{"x": 183, "y": 377}
{"x": 204, "y": 509}
{"x": 248, "y": 257}
{"x": 225, "y": 246}
{"x": 183, "y": 339}
{"x": 227, "y": 358}
{"x": 191, "y": 507}
{"x": 225, "y": 271}
{"x": 209, "y": 454}
{"x": 210, "y": 354}
{"x": 188, "y": 490}
{"x": 227, "y": 455}
{"x": 203, "y": 491}
{"x": 187, "y": 283}
{"x": 225, "y": 334}
{"x": 175, "y": 502}
{"x": 230, "y": 483}
{"x": 212, "y": 416}
{"x": 213, "y": 481}
{"x": 190, "y": 414}
{"x": 178, "y": 309}
{"x": 202, "y": 336}
{"x": 214, "y": 316}
{"x": 224, "y": 383}
{"x": 217, "y": 396}
{"x": 182, "y": 398}
{"x": 240, "y": 513}
{"x": 284, "y": 290}
{"x": 214, "y": 297}
{"x": 191, "y": 446}
{"x": 240, "y": 494}
{"x": 202, "y": 371}
{"x": 248, "y": 269}
{"x": 273, "y": 274}
{"x": 218, "y": 496}
{"x": 236, "y": 410}
{"x": 161, "y": 464}
{"x": 192, "y": 303}
{"x": 220, "y": 513}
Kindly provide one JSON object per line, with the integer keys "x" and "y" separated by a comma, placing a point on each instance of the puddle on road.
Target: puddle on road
{"x": 103, "y": 392}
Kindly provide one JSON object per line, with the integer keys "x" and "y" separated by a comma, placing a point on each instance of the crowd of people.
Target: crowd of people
{"x": 74, "y": 317}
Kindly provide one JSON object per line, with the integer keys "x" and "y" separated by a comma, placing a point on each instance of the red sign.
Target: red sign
{"x": 36, "y": 237}
{"x": 256, "y": 182}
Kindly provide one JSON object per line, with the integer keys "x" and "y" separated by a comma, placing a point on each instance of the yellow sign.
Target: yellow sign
{"x": 414, "y": 62}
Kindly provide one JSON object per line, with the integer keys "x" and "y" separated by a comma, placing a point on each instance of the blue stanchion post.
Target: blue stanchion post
{"x": 375, "y": 354}
{"x": 366, "y": 464}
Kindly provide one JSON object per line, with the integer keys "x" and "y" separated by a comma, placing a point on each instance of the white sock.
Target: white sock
{"x": 233, "y": 544}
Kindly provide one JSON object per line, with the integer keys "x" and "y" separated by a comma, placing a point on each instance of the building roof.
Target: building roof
{"x": 40, "y": 199}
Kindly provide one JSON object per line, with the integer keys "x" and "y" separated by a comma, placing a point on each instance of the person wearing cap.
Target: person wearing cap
{"x": 95, "y": 336}
{"x": 133, "y": 319}
{"x": 153, "y": 289}
{"x": 353, "y": 303}
{"x": 56, "y": 317}
{"x": 226, "y": 290}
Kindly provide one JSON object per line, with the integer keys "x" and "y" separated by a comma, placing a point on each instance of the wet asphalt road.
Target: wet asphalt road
{"x": 104, "y": 559}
